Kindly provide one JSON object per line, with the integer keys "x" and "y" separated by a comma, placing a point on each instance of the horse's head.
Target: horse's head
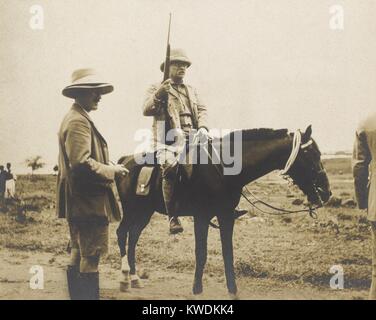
{"x": 307, "y": 171}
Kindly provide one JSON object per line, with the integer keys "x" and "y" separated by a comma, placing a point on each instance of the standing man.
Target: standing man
{"x": 364, "y": 171}
{"x": 10, "y": 185}
{"x": 186, "y": 114}
{"x": 86, "y": 193}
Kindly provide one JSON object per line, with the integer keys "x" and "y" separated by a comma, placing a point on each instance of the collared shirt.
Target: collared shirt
{"x": 184, "y": 108}
{"x": 83, "y": 109}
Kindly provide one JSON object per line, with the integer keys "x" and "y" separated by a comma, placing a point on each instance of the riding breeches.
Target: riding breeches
{"x": 91, "y": 239}
{"x": 168, "y": 162}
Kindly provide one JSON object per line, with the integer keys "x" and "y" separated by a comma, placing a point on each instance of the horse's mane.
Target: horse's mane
{"x": 261, "y": 134}
{"x": 258, "y": 134}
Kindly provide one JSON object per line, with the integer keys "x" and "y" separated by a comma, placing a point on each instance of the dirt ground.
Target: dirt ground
{"x": 161, "y": 285}
{"x": 276, "y": 257}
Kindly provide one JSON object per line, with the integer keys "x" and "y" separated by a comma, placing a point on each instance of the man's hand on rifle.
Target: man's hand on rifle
{"x": 163, "y": 89}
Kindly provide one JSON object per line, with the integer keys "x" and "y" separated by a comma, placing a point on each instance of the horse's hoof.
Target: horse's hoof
{"x": 197, "y": 290}
{"x": 136, "y": 282}
{"x": 124, "y": 286}
{"x": 124, "y": 265}
{"x": 197, "y": 296}
{"x": 233, "y": 296}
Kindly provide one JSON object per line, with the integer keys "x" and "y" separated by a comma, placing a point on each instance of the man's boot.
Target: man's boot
{"x": 74, "y": 282}
{"x": 168, "y": 190}
{"x": 90, "y": 286}
{"x": 175, "y": 225}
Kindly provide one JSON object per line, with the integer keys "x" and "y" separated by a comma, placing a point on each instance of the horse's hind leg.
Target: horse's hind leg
{"x": 226, "y": 224}
{"x": 135, "y": 230}
{"x": 122, "y": 235}
{"x": 201, "y": 226}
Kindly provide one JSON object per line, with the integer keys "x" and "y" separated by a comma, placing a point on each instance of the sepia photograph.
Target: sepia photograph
{"x": 173, "y": 150}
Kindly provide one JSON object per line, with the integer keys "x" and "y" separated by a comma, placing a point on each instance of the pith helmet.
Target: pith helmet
{"x": 177, "y": 55}
{"x": 86, "y": 79}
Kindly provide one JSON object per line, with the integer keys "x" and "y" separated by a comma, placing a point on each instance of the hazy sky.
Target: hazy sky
{"x": 256, "y": 63}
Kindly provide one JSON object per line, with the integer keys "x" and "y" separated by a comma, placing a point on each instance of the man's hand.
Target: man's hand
{"x": 121, "y": 170}
{"x": 163, "y": 89}
{"x": 201, "y": 136}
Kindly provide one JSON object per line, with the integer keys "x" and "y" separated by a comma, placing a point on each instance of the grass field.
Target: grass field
{"x": 282, "y": 257}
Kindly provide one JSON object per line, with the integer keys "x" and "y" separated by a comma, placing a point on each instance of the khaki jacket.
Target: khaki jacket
{"x": 364, "y": 166}
{"x": 85, "y": 184}
{"x": 154, "y": 108}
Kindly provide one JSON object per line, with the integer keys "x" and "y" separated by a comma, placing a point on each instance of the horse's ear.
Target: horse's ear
{"x": 307, "y": 134}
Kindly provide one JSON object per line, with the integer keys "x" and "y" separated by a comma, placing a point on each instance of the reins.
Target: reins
{"x": 310, "y": 210}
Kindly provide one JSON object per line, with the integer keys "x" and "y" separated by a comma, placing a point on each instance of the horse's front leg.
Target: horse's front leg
{"x": 201, "y": 226}
{"x": 226, "y": 223}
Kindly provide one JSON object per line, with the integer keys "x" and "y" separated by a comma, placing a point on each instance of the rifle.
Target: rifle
{"x": 166, "y": 75}
{"x": 166, "y": 71}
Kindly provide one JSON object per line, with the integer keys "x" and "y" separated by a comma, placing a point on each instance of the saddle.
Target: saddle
{"x": 145, "y": 177}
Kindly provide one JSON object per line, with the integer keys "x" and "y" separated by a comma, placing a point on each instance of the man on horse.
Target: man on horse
{"x": 176, "y": 106}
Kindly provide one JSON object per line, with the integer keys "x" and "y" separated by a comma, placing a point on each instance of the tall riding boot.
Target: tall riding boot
{"x": 168, "y": 189}
{"x": 90, "y": 286}
{"x": 74, "y": 282}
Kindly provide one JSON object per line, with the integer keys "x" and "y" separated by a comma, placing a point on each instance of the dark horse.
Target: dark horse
{"x": 209, "y": 193}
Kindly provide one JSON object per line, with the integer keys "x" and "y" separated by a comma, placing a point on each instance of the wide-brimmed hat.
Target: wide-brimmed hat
{"x": 177, "y": 55}
{"x": 86, "y": 79}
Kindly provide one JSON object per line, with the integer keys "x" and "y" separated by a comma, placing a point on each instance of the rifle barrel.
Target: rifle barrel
{"x": 166, "y": 71}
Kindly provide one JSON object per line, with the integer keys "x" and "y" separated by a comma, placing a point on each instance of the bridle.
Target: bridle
{"x": 296, "y": 147}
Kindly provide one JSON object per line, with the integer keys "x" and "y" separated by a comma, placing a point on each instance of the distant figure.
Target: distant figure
{"x": 56, "y": 170}
{"x": 10, "y": 184}
{"x": 3, "y": 178}
{"x": 364, "y": 171}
